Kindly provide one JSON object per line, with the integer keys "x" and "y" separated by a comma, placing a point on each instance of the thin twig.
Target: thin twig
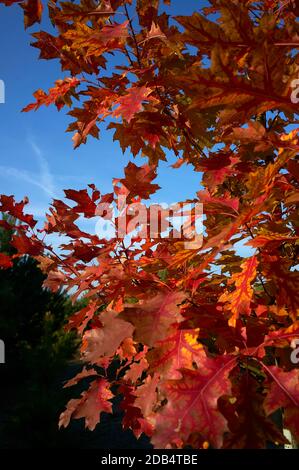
{"x": 272, "y": 123}
{"x": 134, "y": 36}
{"x": 125, "y": 49}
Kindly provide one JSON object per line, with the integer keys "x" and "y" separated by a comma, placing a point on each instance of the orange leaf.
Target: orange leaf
{"x": 131, "y": 103}
{"x": 32, "y": 12}
{"x": 238, "y": 301}
{"x": 60, "y": 95}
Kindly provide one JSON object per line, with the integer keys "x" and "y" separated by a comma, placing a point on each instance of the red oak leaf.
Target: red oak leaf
{"x": 138, "y": 180}
{"x": 60, "y": 95}
{"x": 131, "y": 103}
{"x": 54, "y": 281}
{"x": 218, "y": 204}
{"x": 32, "y": 12}
{"x": 82, "y": 375}
{"x": 284, "y": 393}
{"x": 133, "y": 418}
{"x": 99, "y": 343}
{"x": 90, "y": 406}
{"x": 219, "y": 91}
{"x": 15, "y": 209}
{"x": 127, "y": 349}
{"x": 179, "y": 351}
{"x": 192, "y": 404}
{"x": 249, "y": 427}
{"x": 85, "y": 204}
{"x": 114, "y": 31}
{"x": 26, "y": 245}
{"x": 153, "y": 317}
{"x": 135, "y": 371}
{"x": 286, "y": 285}
{"x": 154, "y": 33}
{"x": 238, "y": 301}
{"x": 80, "y": 319}
{"x": 147, "y": 395}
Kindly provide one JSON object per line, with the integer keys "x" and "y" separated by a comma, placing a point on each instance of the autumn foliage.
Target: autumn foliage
{"x": 202, "y": 338}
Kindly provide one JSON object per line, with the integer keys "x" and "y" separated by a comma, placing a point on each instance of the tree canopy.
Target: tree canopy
{"x": 204, "y": 336}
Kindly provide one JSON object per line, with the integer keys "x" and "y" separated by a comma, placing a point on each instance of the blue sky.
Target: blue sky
{"x": 37, "y": 158}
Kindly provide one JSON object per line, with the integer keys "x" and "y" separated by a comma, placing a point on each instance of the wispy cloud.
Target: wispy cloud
{"x": 47, "y": 181}
{"x": 43, "y": 178}
{"x": 10, "y": 172}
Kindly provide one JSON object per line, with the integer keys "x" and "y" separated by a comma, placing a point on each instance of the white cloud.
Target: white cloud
{"x": 43, "y": 178}
{"x": 46, "y": 177}
{"x": 10, "y": 172}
